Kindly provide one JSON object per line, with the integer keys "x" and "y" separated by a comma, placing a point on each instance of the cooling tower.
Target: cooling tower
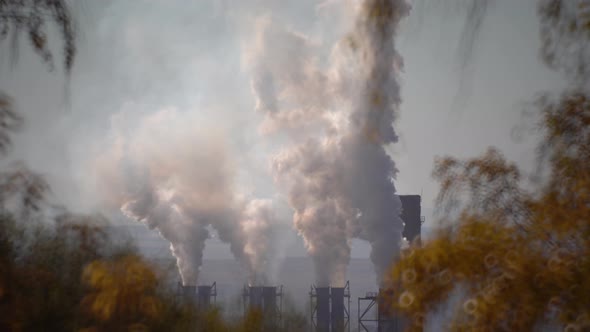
{"x": 271, "y": 310}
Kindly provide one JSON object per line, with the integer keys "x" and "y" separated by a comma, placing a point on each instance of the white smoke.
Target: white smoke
{"x": 259, "y": 224}
{"x": 339, "y": 118}
{"x": 331, "y": 102}
{"x": 178, "y": 179}
{"x": 186, "y": 237}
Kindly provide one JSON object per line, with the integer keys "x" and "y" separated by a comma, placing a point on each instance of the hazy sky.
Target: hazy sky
{"x": 141, "y": 57}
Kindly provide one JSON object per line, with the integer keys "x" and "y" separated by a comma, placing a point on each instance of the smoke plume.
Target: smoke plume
{"x": 179, "y": 180}
{"x": 374, "y": 114}
{"x": 329, "y": 101}
{"x": 258, "y": 224}
{"x": 339, "y": 118}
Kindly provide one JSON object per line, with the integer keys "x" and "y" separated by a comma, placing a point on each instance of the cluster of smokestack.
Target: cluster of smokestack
{"x": 180, "y": 182}
{"x": 338, "y": 119}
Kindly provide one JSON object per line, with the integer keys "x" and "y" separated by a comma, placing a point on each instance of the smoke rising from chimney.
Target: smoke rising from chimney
{"x": 339, "y": 118}
{"x": 330, "y": 103}
{"x": 179, "y": 180}
{"x": 258, "y": 224}
{"x": 375, "y": 113}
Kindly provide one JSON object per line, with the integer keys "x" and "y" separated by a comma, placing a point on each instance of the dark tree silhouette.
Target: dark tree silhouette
{"x": 515, "y": 258}
{"x": 32, "y": 17}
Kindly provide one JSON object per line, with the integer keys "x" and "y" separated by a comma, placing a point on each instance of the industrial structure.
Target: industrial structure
{"x": 268, "y": 299}
{"x": 411, "y": 216}
{"x": 374, "y": 308}
{"x": 202, "y": 296}
{"x": 376, "y": 314}
{"x": 330, "y": 308}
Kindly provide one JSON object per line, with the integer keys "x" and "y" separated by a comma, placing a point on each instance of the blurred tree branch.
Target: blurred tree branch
{"x": 32, "y": 17}
{"x": 515, "y": 259}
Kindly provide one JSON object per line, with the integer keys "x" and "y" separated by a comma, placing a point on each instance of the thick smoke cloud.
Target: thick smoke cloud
{"x": 375, "y": 112}
{"x": 259, "y": 223}
{"x": 187, "y": 238}
{"x": 309, "y": 76}
{"x": 178, "y": 159}
{"x": 339, "y": 117}
{"x": 178, "y": 179}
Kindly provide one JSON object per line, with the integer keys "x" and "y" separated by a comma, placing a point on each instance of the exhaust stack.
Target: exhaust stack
{"x": 266, "y": 299}
{"x": 330, "y": 312}
{"x": 201, "y": 296}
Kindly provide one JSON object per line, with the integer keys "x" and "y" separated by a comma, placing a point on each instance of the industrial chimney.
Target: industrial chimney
{"x": 205, "y": 294}
{"x": 187, "y": 293}
{"x": 330, "y": 312}
{"x": 201, "y": 296}
{"x": 268, "y": 300}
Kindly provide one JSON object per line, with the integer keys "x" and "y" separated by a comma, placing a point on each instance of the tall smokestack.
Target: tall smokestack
{"x": 337, "y": 309}
{"x": 255, "y": 297}
{"x": 271, "y": 313}
{"x": 268, "y": 301}
{"x": 330, "y": 311}
{"x": 323, "y": 309}
{"x": 187, "y": 293}
{"x": 412, "y": 216}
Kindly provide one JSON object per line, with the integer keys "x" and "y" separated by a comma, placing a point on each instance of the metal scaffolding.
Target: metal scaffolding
{"x": 375, "y": 314}
{"x": 370, "y": 301}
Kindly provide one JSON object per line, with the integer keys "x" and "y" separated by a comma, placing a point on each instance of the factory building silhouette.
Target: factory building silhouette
{"x": 330, "y": 306}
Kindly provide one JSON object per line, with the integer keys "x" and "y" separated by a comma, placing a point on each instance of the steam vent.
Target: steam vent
{"x": 411, "y": 216}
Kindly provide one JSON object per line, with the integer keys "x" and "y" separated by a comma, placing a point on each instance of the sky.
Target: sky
{"x": 141, "y": 59}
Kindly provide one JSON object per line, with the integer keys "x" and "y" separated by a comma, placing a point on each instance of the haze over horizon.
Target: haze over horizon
{"x": 140, "y": 59}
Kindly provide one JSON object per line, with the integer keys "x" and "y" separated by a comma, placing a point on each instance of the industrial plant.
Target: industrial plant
{"x": 329, "y": 306}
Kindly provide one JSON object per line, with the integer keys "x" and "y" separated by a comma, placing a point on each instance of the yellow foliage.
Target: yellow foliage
{"x": 513, "y": 258}
{"x": 122, "y": 290}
